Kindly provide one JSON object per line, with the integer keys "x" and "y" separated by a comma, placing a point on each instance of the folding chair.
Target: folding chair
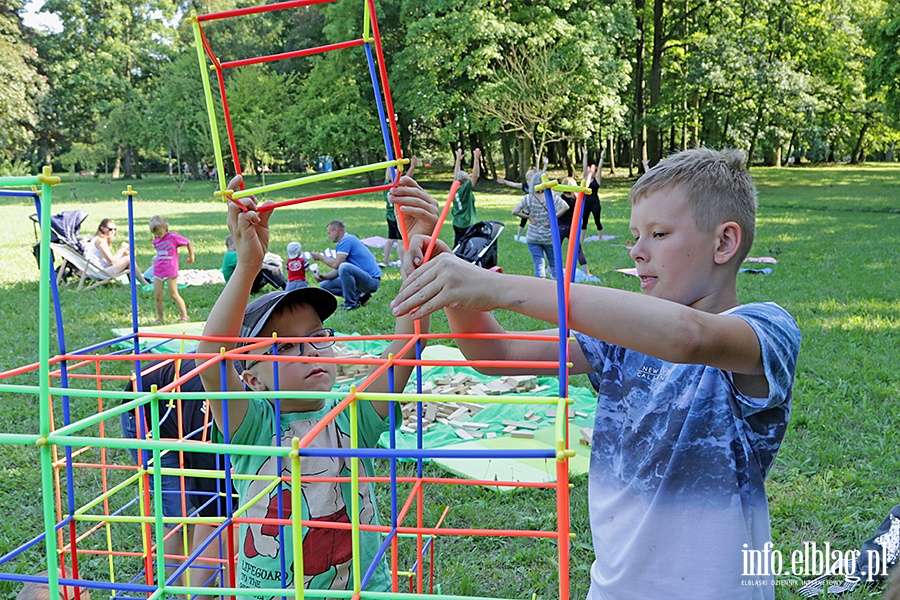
{"x": 89, "y": 271}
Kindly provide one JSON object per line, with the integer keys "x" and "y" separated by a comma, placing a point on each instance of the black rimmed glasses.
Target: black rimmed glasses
{"x": 326, "y": 335}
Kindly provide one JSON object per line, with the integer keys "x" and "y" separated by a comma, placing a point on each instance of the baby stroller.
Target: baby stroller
{"x": 479, "y": 245}
{"x": 64, "y": 229}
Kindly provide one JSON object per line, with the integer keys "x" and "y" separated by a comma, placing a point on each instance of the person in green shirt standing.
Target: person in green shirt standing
{"x": 390, "y": 215}
{"x": 464, "y": 202}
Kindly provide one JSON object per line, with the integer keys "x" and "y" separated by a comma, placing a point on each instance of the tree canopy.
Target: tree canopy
{"x": 809, "y": 80}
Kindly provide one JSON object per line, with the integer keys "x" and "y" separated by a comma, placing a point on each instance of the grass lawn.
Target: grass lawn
{"x": 833, "y": 230}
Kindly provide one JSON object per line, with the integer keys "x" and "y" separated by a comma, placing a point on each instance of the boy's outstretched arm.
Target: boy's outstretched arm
{"x": 405, "y": 325}
{"x": 250, "y": 231}
{"x": 649, "y": 325}
{"x": 420, "y": 213}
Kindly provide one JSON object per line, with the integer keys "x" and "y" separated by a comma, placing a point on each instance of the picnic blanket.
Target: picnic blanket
{"x": 188, "y": 277}
{"x": 376, "y": 241}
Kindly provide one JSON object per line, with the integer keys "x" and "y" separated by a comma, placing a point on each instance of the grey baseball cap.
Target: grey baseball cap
{"x": 258, "y": 312}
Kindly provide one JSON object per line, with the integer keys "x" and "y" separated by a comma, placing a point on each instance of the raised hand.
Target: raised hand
{"x": 420, "y": 210}
{"x": 250, "y": 229}
{"x": 444, "y": 281}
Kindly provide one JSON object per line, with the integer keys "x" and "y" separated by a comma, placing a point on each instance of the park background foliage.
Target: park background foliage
{"x": 116, "y": 89}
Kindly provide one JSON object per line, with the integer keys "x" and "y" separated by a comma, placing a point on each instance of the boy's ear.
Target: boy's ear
{"x": 728, "y": 242}
{"x": 252, "y": 382}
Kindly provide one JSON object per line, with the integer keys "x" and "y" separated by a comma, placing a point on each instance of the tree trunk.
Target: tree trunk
{"x": 489, "y": 161}
{"x": 890, "y": 152}
{"x": 695, "y": 109}
{"x": 611, "y": 156}
{"x": 567, "y": 147}
{"x": 790, "y": 148}
{"x": 527, "y": 158}
{"x": 126, "y": 159}
{"x": 638, "y": 127}
{"x": 757, "y": 126}
{"x": 511, "y": 168}
{"x": 858, "y": 155}
{"x": 654, "y": 135}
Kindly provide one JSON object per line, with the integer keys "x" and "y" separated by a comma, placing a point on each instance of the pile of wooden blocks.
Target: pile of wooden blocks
{"x": 446, "y": 413}
{"x": 462, "y": 384}
{"x": 350, "y": 373}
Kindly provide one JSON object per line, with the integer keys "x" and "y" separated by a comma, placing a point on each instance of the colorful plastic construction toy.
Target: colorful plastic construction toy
{"x": 103, "y": 523}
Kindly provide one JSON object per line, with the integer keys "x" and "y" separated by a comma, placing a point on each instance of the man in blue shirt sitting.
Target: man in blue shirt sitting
{"x": 355, "y": 274}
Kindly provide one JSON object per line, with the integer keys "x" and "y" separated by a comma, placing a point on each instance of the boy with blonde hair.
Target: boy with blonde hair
{"x": 299, "y": 313}
{"x": 694, "y": 389}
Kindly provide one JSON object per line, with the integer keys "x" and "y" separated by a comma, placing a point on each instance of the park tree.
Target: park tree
{"x": 179, "y": 122}
{"x": 104, "y": 54}
{"x": 126, "y": 130}
{"x": 257, "y": 102}
{"x": 883, "y": 72}
{"x": 340, "y": 119}
{"x": 21, "y": 89}
{"x": 449, "y": 50}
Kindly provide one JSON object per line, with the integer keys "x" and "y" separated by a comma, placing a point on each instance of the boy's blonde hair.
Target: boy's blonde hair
{"x": 716, "y": 185}
{"x": 158, "y": 226}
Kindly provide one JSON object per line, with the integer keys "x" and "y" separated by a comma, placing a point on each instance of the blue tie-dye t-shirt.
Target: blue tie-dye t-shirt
{"x": 678, "y": 462}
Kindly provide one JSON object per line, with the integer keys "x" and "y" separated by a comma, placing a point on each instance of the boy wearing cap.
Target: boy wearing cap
{"x": 327, "y": 551}
{"x": 296, "y": 267}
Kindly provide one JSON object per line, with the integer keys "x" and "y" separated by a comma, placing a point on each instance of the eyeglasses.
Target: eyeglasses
{"x": 297, "y": 348}
{"x": 110, "y": 228}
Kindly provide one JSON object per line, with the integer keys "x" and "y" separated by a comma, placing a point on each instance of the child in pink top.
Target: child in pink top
{"x": 165, "y": 265}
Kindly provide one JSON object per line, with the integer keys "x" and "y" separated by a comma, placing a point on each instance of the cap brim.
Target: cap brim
{"x": 321, "y": 300}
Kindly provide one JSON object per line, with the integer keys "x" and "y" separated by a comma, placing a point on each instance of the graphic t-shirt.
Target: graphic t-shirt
{"x": 165, "y": 265}
{"x": 464, "y": 206}
{"x": 327, "y": 552}
{"x": 296, "y": 269}
{"x": 678, "y": 462}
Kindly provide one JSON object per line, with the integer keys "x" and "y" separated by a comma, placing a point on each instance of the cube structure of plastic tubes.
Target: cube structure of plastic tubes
{"x": 103, "y": 529}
